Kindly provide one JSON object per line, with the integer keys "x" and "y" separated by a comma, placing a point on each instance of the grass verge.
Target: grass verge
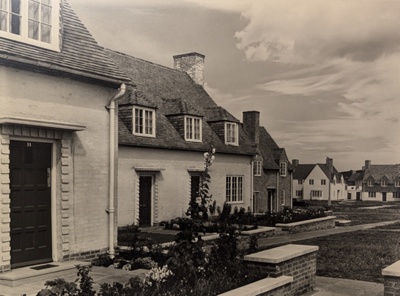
{"x": 359, "y": 255}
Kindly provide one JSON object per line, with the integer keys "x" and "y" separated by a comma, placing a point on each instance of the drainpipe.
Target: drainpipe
{"x": 111, "y": 197}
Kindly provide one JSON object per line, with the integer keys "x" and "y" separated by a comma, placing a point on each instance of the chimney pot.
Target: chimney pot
{"x": 193, "y": 64}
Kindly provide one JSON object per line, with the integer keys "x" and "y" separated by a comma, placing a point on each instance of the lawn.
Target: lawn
{"x": 359, "y": 255}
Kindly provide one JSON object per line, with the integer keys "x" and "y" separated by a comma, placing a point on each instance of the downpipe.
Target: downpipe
{"x": 111, "y": 195}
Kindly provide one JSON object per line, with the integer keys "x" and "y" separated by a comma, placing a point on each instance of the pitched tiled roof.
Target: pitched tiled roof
{"x": 174, "y": 93}
{"x": 270, "y": 151}
{"x": 136, "y": 97}
{"x": 302, "y": 171}
{"x": 220, "y": 114}
{"x": 325, "y": 169}
{"x": 80, "y": 55}
{"x": 377, "y": 172}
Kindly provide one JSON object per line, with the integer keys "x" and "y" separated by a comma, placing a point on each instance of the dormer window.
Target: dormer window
{"x": 283, "y": 169}
{"x": 383, "y": 183}
{"x": 35, "y": 22}
{"x": 193, "y": 129}
{"x": 370, "y": 183}
{"x": 397, "y": 183}
{"x": 231, "y": 134}
{"x": 144, "y": 122}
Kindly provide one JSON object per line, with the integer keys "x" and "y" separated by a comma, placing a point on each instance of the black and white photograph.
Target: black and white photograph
{"x": 199, "y": 147}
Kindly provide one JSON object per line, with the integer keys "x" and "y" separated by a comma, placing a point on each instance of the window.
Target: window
{"x": 397, "y": 183}
{"x": 311, "y": 181}
{"x": 300, "y": 181}
{"x": 383, "y": 183}
{"x": 282, "y": 169}
{"x": 316, "y": 193}
{"x": 323, "y": 181}
{"x": 283, "y": 195}
{"x": 299, "y": 193}
{"x": 370, "y": 183}
{"x": 31, "y": 21}
{"x": 193, "y": 129}
{"x": 231, "y": 134}
{"x": 234, "y": 188}
{"x": 396, "y": 194}
{"x": 257, "y": 168}
{"x": 144, "y": 122}
{"x": 371, "y": 194}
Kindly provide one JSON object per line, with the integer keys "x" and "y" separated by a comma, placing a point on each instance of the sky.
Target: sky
{"x": 324, "y": 74}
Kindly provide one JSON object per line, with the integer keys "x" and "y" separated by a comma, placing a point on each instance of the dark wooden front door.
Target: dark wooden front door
{"x": 30, "y": 165}
{"x": 358, "y": 195}
{"x": 383, "y": 196}
{"x": 194, "y": 186}
{"x": 145, "y": 187}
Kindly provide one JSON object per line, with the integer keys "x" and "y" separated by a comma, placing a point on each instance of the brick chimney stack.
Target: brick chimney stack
{"x": 193, "y": 64}
{"x": 329, "y": 164}
{"x": 367, "y": 164}
{"x": 251, "y": 124}
{"x": 295, "y": 163}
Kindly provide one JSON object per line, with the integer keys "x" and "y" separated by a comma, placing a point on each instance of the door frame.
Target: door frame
{"x": 53, "y": 191}
{"x": 153, "y": 177}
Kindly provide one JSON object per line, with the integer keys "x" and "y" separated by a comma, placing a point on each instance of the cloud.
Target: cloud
{"x": 309, "y": 31}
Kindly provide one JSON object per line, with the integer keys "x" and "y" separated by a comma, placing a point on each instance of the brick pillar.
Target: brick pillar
{"x": 297, "y": 261}
{"x": 391, "y": 275}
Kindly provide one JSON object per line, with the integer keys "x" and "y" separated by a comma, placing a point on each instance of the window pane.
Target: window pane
{"x": 197, "y": 129}
{"x": 240, "y": 189}
{"x": 16, "y": 6}
{"x": 33, "y": 30}
{"x": 3, "y": 5}
{"x": 138, "y": 121}
{"x": 228, "y": 188}
{"x": 46, "y": 14}
{"x": 3, "y": 21}
{"x": 33, "y": 10}
{"x": 46, "y": 33}
{"x": 15, "y": 24}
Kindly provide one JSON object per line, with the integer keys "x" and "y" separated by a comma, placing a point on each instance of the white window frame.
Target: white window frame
{"x": 24, "y": 26}
{"x": 190, "y": 129}
{"x": 383, "y": 183}
{"x": 257, "y": 168}
{"x": 234, "y": 189}
{"x": 372, "y": 194}
{"x": 311, "y": 182}
{"x": 396, "y": 194}
{"x": 300, "y": 181}
{"x": 229, "y": 138}
{"x": 396, "y": 183}
{"x": 370, "y": 183}
{"x": 144, "y": 132}
{"x": 299, "y": 193}
{"x": 316, "y": 193}
{"x": 283, "y": 169}
{"x": 283, "y": 197}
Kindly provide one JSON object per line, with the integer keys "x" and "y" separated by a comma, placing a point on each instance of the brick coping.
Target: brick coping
{"x": 293, "y": 224}
{"x": 392, "y": 270}
{"x": 281, "y": 254}
{"x": 259, "y": 287}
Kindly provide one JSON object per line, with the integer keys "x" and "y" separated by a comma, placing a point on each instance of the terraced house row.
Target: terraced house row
{"x": 91, "y": 139}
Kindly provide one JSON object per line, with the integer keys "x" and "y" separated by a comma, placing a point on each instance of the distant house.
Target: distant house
{"x": 381, "y": 182}
{"x": 55, "y": 139}
{"x": 166, "y": 124}
{"x": 353, "y": 180}
{"x": 318, "y": 181}
{"x": 272, "y": 171}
